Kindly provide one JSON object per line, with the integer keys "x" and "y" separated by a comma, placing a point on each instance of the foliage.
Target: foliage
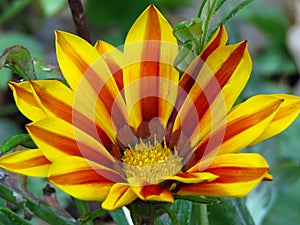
{"x": 271, "y": 203}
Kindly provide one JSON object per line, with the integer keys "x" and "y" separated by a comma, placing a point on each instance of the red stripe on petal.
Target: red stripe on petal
{"x": 62, "y": 143}
{"x": 235, "y": 175}
{"x": 212, "y": 89}
{"x": 154, "y": 193}
{"x": 232, "y": 129}
{"x": 214, "y": 44}
{"x": 153, "y": 31}
{"x": 30, "y": 163}
{"x": 55, "y": 105}
{"x": 106, "y": 93}
{"x": 71, "y": 52}
{"x": 68, "y": 145}
{"x": 151, "y": 51}
{"x": 79, "y": 177}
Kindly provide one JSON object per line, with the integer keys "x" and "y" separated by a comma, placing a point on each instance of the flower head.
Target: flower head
{"x": 129, "y": 126}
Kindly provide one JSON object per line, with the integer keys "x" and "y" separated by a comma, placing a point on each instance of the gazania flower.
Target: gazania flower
{"x": 129, "y": 127}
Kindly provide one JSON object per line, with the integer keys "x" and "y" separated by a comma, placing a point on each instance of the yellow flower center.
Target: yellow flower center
{"x": 151, "y": 162}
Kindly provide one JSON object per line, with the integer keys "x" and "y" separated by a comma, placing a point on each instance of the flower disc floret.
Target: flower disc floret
{"x": 151, "y": 162}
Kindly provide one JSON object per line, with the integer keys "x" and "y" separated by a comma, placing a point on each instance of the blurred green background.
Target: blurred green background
{"x": 272, "y": 29}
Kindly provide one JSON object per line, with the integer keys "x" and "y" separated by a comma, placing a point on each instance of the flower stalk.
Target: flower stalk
{"x": 79, "y": 19}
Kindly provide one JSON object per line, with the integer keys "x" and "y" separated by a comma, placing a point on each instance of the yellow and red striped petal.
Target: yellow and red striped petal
{"x": 248, "y": 120}
{"x": 25, "y": 101}
{"x": 119, "y": 195}
{"x": 241, "y": 127}
{"x": 88, "y": 74}
{"x": 212, "y": 89}
{"x": 219, "y": 38}
{"x": 80, "y": 178}
{"x": 26, "y": 162}
{"x": 48, "y": 94}
{"x": 153, "y": 192}
{"x": 238, "y": 175}
{"x": 74, "y": 56}
{"x": 149, "y": 75}
{"x": 287, "y": 113}
{"x": 193, "y": 177}
{"x": 57, "y": 139}
{"x": 114, "y": 59}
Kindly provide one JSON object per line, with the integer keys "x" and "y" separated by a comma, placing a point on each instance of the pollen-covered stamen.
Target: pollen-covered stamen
{"x": 151, "y": 162}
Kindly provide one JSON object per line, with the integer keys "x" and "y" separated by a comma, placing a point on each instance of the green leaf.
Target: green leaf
{"x": 186, "y": 212}
{"x": 184, "y": 57}
{"x": 188, "y": 33}
{"x": 18, "y": 59}
{"x": 8, "y": 217}
{"x": 229, "y": 15}
{"x": 119, "y": 217}
{"x": 28, "y": 41}
{"x": 197, "y": 199}
{"x": 236, "y": 211}
{"x": 20, "y": 139}
{"x": 46, "y": 70}
{"x": 188, "y": 30}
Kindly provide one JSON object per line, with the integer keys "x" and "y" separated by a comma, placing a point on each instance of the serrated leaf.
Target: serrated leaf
{"x": 8, "y": 217}
{"x": 18, "y": 59}
{"x": 236, "y": 212}
{"x": 20, "y": 139}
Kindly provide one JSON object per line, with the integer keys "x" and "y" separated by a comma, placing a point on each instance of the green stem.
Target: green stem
{"x": 171, "y": 215}
{"x": 203, "y": 214}
{"x": 91, "y": 216}
{"x": 211, "y": 11}
{"x": 82, "y": 208}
